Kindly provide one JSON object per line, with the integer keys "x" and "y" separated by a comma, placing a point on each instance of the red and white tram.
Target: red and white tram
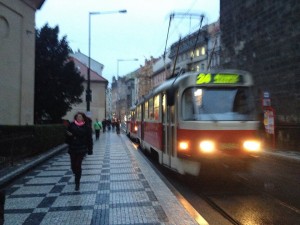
{"x": 199, "y": 119}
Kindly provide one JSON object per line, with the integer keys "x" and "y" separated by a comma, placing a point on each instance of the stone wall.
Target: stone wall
{"x": 263, "y": 37}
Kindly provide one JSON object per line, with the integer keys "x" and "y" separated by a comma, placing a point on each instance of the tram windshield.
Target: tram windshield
{"x": 218, "y": 104}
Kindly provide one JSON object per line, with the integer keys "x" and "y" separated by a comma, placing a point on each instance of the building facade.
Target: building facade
{"x": 190, "y": 53}
{"x": 161, "y": 70}
{"x": 119, "y": 97}
{"x": 108, "y": 103}
{"x": 214, "y": 45}
{"x": 17, "y": 54}
{"x": 98, "y": 85}
{"x": 130, "y": 90}
{"x": 143, "y": 78}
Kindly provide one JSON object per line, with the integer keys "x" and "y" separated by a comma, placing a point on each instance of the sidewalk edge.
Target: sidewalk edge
{"x": 184, "y": 203}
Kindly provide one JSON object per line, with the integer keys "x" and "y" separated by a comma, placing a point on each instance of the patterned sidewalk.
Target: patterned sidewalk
{"x": 118, "y": 186}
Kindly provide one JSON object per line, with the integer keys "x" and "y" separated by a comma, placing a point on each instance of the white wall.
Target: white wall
{"x": 17, "y": 54}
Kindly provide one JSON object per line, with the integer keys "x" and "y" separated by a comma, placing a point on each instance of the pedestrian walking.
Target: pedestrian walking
{"x": 104, "y": 125}
{"x": 97, "y": 128}
{"x": 79, "y": 139}
{"x": 108, "y": 124}
{"x": 118, "y": 124}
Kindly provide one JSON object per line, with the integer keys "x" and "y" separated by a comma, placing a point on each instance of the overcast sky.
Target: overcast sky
{"x": 138, "y": 34}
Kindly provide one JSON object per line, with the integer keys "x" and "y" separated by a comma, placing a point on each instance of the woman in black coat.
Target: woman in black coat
{"x": 79, "y": 138}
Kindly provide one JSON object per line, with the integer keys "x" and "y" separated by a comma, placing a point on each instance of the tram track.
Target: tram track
{"x": 254, "y": 190}
{"x": 264, "y": 193}
{"x": 221, "y": 211}
{"x": 208, "y": 198}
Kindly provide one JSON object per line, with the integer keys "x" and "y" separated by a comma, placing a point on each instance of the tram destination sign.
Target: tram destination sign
{"x": 219, "y": 78}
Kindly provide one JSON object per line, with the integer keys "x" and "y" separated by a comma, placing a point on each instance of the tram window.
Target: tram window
{"x": 240, "y": 102}
{"x": 156, "y": 107}
{"x": 132, "y": 115}
{"x": 139, "y": 113}
{"x": 187, "y": 105}
{"x": 218, "y": 104}
{"x": 217, "y": 101}
{"x": 146, "y": 112}
{"x": 151, "y": 109}
{"x": 164, "y": 108}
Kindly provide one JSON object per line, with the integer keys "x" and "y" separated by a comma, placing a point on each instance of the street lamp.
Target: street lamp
{"x": 88, "y": 89}
{"x": 123, "y": 60}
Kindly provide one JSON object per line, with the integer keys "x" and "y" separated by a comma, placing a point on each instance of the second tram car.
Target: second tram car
{"x": 199, "y": 120}
{"x": 131, "y": 125}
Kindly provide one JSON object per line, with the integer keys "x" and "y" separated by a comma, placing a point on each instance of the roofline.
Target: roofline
{"x": 34, "y": 4}
{"x": 41, "y": 4}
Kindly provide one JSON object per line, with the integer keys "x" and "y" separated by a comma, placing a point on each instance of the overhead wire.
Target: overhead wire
{"x": 172, "y": 16}
{"x": 182, "y": 19}
{"x": 175, "y": 29}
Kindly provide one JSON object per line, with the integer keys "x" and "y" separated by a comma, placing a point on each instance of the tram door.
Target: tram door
{"x": 167, "y": 132}
{"x": 142, "y": 122}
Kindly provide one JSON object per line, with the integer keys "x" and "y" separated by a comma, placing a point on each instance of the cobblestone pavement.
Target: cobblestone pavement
{"x": 117, "y": 187}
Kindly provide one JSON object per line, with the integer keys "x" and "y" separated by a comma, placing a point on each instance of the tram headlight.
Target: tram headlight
{"x": 207, "y": 146}
{"x": 252, "y": 145}
{"x": 183, "y": 146}
{"x": 135, "y": 128}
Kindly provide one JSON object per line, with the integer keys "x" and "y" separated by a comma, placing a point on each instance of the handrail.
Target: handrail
{"x": 14, "y": 138}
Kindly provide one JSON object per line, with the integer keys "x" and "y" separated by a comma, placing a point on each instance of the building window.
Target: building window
{"x": 197, "y": 52}
{"x": 192, "y": 54}
{"x": 202, "y": 66}
{"x": 203, "y": 51}
{"x": 186, "y": 56}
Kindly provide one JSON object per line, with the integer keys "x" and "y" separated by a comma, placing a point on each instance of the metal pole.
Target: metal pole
{"x": 88, "y": 90}
{"x": 118, "y": 68}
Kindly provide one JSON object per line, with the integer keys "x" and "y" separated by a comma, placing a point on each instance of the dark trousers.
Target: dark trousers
{"x": 97, "y": 132}
{"x": 76, "y": 162}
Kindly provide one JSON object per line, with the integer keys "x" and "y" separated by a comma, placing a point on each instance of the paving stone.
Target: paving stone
{"x": 114, "y": 189}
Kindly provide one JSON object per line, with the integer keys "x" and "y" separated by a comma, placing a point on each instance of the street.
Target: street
{"x": 267, "y": 194}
